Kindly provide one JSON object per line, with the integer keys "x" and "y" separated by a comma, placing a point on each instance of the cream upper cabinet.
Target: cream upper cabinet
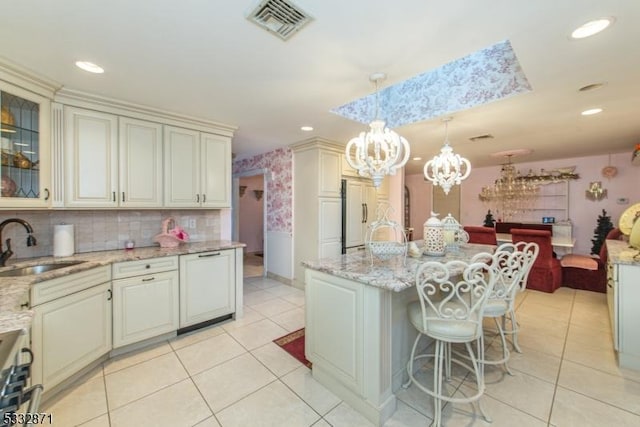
{"x": 111, "y": 161}
{"x": 181, "y": 167}
{"x": 90, "y": 158}
{"x": 26, "y": 148}
{"x": 215, "y": 155}
{"x": 196, "y": 169}
{"x": 140, "y": 163}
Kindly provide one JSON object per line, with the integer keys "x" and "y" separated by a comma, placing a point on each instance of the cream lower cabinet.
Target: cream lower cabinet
{"x": 144, "y": 307}
{"x": 146, "y": 304}
{"x": 623, "y": 293}
{"x": 197, "y": 169}
{"x": 207, "y": 286}
{"x": 72, "y": 324}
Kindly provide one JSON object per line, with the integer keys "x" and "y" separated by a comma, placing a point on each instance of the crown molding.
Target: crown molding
{"x": 27, "y": 79}
{"x": 82, "y": 99}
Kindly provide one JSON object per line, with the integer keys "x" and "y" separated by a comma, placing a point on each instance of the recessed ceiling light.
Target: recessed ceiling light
{"x": 417, "y": 158}
{"x": 481, "y": 137}
{"x": 306, "y": 128}
{"x": 90, "y": 67}
{"x": 592, "y": 27}
{"x": 591, "y": 111}
{"x": 592, "y": 86}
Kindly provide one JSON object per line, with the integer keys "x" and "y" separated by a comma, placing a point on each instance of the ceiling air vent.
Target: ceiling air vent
{"x": 481, "y": 137}
{"x": 279, "y": 17}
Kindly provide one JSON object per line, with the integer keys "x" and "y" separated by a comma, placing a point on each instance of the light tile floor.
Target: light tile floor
{"x": 253, "y": 265}
{"x": 233, "y": 375}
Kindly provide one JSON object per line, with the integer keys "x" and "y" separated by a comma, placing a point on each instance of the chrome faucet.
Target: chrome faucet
{"x": 31, "y": 241}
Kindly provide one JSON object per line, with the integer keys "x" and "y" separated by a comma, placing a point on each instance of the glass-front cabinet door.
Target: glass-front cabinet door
{"x": 25, "y": 144}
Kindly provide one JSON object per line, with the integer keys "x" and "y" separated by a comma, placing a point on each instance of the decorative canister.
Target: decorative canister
{"x": 433, "y": 236}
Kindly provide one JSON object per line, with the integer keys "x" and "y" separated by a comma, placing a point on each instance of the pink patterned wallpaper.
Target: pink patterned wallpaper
{"x": 279, "y": 203}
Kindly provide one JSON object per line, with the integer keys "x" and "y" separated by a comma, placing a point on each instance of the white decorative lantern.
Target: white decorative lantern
{"x": 434, "y": 236}
{"x": 453, "y": 233}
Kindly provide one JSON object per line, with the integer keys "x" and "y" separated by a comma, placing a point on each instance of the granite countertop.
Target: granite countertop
{"x": 15, "y": 290}
{"x": 621, "y": 253}
{"x": 391, "y": 274}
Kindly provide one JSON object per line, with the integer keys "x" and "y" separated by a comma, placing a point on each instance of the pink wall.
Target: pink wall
{"x": 279, "y": 188}
{"x": 251, "y": 214}
{"x": 420, "y": 194}
{"x": 582, "y": 212}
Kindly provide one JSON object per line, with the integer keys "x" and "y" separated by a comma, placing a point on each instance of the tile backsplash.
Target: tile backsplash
{"x": 104, "y": 229}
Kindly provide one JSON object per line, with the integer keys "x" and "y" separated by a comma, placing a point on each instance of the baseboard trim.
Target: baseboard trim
{"x": 279, "y": 278}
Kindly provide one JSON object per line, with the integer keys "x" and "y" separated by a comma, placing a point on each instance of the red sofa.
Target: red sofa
{"x": 546, "y": 273}
{"x": 484, "y": 235}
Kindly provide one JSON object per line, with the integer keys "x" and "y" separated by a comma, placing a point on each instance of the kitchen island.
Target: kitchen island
{"x": 623, "y": 296}
{"x": 358, "y": 335}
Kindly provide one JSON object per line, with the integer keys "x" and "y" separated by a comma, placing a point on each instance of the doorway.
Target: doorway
{"x": 249, "y": 220}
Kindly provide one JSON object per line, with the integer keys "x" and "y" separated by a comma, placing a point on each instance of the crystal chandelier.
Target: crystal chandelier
{"x": 380, "y": 151}
{"x": 447, "y": 169}
{"x": 512, "y": 193}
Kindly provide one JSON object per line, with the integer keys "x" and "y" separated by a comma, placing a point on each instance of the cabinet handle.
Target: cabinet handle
{"x": 208, "y": 255}
{"x": 148, "y": 266}
{"x": 123, "y": 196}
{"x": 46, "y": 190}
{"x": 362, "y": 220}
{"x": 25, "y": 305}
{"x": 366, "y": 212}
{"x": 30, "y": 353}
{"x": 148, "y": 279}
{"x": 110, "y": 297}
{"x": 113, "y": 194}
{"x": 197, "y": 198}
{"x": 204, "y": 198}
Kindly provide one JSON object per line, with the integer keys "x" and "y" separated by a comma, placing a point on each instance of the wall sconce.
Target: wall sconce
{"x": 243, "y": 188}
{"x": 258, "y": 194}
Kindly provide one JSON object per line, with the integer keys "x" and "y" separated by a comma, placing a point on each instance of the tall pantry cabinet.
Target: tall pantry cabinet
{"x": 317, "y": 206}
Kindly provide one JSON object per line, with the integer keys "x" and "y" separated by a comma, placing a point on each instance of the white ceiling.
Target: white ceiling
{"x": 203, "y": 58}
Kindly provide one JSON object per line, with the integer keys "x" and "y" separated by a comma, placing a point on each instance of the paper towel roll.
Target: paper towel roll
{"x": 63, "y": 240}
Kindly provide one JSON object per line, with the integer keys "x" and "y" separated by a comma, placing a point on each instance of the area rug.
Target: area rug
{"x": 293, "y": 344}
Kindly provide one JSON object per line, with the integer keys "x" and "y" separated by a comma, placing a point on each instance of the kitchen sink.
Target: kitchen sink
{"x": 37, "y": 269}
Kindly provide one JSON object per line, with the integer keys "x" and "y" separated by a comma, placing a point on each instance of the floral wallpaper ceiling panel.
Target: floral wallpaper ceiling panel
{"x": 486, "y": 75}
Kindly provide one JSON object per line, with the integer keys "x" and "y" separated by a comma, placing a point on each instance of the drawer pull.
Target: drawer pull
{"x": 25, "y": 305}
{"x": 148, "y": 266}
{"x": 208, "y": 255}
{"x": 110, "y": 297}
{"x": 148, "y": 279}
